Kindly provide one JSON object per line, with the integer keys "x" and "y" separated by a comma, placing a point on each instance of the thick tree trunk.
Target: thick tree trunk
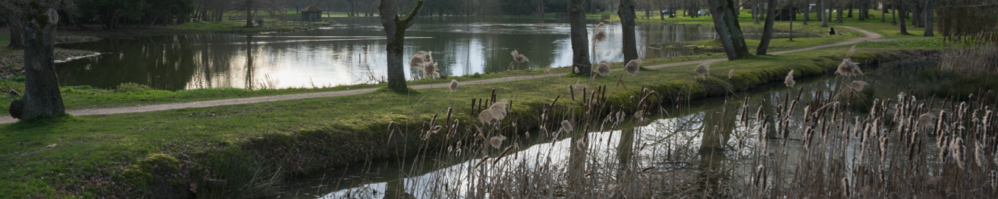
{"x": 626, "y": 13}
{"x": 929, "y": 17}
{"x": 580, "y": 37}
{"x": 42, "y": 97}
{"x": 395, "y": 30}
{"x": 883, "y": 14}
{"x": 767, "y": 33}
{"x": 728, "y": 30}
{"x": 851, "y": 5}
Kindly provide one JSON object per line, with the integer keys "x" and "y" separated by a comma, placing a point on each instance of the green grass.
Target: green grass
{"x": 96, "y": 149}
{"x": 871, "y": 24}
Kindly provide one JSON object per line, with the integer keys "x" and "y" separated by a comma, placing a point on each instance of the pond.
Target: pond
{"x": 679, "y": 141}
{"x": 352, "y": 52}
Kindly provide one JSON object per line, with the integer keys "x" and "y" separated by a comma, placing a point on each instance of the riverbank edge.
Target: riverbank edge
{"x": 312, "y": 151}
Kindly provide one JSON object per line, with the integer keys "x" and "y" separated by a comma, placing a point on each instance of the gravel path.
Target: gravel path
{"x": 225, "y": 102}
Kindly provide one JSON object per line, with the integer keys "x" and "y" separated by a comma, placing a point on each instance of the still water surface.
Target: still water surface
{"x": 686, "y": 132}
{"x": 349, "y": 53}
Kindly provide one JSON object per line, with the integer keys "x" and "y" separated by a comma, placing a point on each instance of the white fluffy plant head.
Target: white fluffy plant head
{"x": 633, "y": 67}
{"x": 702, "y": 70}
{"x": 453, "y": 85}
{"x": 603, "y": 69}
{"x": 789, "y": 81}
{"x": 848, "y": 68}
{"x": 857, "y": 85}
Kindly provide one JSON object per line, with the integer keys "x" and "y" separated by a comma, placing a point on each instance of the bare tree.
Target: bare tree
{"x": 929, "y": 17}
{"x": 395, "y": 30}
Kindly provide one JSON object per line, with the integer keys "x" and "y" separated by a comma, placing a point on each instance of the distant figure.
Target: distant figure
{"x": 831, "y": 30}
{"x": 839, "y": 33}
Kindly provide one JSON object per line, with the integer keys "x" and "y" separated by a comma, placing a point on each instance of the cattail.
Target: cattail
{"x": 633, "y": 67}
{"x": 418, "y": 59}
{"x": 603, "y": 68}
{"x": 789, "y": 81}
{"x": 956, "y": 148}
{"x": 566, "y": 126}
{"x": 851, "y": 52}
{"x": 979, "y": 155}
{"x": 486, "y": 116}
{"x": 857, "y": 85}
{"x": 994, "y": 179}
{"x": 848, "y": 68}
{"x": 600, "y": 35}
{"x": 575, "y": 69}
{"x": 498, "y": 109}
{"x": 430, "y": 70}
{"x": 547, "y": 70}
{"x": 519, "y": 58}
{"x": 845, "y": 187}
{"x": 581, "y": 144}
{"x": 496, "y": 141}
{"x": 702, "y": 70}
{"x": 453, "y": 85}
{"x": 731, "y": 73}
{"x": 640, "y": 114}
{"x": 925, "y": 119}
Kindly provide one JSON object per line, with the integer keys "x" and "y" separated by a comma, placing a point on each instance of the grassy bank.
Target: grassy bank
{"x": 745, "y": 19}
{"x": 90, "y": 154}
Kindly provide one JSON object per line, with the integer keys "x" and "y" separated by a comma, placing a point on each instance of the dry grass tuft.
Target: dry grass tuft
{"x": 789, "y": 81}
{"x": 547, "y": 70}
{"x": 633, "y": 67}
{"x": 430, "y": 70}
{"x": 603, "y": 68}
{"x": 970, "y": 61}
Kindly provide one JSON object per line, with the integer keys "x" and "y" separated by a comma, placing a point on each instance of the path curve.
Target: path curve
{"x": 251, "y": 100}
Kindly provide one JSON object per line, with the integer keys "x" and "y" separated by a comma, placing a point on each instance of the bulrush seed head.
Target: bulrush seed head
{"x": 453, "y": 85}
{"x": 848, "y": 68}
{"x": 702, "y": 70}
{"x": 857, "y": 85}
{"x": 731, "y": 73}
{"x": 633, "y": 67}
{"x": 496, "y": 141}
{"x": 566, "y": 126}
{"x": 789, "y": 81}
{"x": 603, "y": 69}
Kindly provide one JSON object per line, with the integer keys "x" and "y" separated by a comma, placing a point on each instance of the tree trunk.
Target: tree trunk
{"x": 625, "y": 150}
{"x": 728, "y": 30}
{"x": 904, "y": 27}
{"x": 626, "y": 13}
{"x": 839, "y": 14}
{"x": 883, "y": 13}
{"x": 580, "y": 37}
{"x": 42, "y": 97}
{"x": 824, "y": 14}
{"x": 767, "y": 33}
{"x": 395, "y": 30}
{"x": 249, "y": 13}
{"x": 851, "y": 5}
{"x": 16, "y": 41}
{"x": 807, "y": 11}
{"x": 755, "y": 13}
{"x": 929, "y": 17}
{"x": 918, "y": 20}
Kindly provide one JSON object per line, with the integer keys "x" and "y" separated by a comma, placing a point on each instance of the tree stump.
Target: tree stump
{"x": 41, "y": 94}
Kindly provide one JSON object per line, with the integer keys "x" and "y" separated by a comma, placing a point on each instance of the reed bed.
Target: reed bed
{"x": 789, "y": 148}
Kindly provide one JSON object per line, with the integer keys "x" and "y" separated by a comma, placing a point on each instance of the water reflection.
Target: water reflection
{"x": 710, "y": 131}
{"x": 349, "y": 53}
